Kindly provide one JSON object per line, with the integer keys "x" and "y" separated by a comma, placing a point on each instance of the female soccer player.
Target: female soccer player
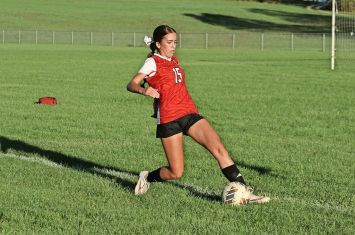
{"x": 177, "y": 115}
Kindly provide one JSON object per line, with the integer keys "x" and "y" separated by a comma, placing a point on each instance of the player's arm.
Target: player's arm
{"x": 135, "y": 87}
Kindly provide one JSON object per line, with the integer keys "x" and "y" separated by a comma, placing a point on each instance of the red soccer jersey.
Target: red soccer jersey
{"x": 169, "y": 80}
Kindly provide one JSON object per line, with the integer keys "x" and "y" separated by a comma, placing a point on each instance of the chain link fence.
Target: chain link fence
{"x": 236, "y": 40}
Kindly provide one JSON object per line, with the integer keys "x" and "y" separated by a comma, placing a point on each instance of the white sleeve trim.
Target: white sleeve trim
{"x": 149, "y": 67}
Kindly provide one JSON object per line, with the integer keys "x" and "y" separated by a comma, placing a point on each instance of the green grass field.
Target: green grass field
{"x": 287, "y": 120}
{"x": 144, "y": 15}
{"x": 284, "y": 117}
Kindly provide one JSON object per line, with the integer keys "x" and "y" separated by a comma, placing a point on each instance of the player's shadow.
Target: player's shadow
{"x": 70, "y": 161}
{"x": 119, "y": 176}
{"x": 258, "y": 169}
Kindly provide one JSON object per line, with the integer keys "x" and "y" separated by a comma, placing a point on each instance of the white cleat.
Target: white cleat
{"x": 142, "y": 184}
{"x": 255, "y": 199}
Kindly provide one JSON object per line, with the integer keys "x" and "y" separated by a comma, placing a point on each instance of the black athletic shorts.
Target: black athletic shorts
{"x": 177, "y": 126}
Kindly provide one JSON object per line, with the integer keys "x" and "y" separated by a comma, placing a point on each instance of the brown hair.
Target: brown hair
{"x": 158, "y": 35}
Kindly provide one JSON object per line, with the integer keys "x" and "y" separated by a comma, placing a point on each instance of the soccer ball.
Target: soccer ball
{"x": 236, "y": 194}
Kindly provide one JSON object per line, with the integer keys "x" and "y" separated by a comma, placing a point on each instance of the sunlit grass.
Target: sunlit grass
{"x": 285, "y": 118}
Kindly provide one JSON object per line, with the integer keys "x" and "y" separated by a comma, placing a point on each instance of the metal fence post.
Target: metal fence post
{"x": 53, "y": 37}
{"x": 262, "y": 42}
{"x": 180, "y": 40}
{"x": 323, "y": 42}
{"x": 233, "y": 41}
{"x": 134, "y": 39}
{"x": 292, "y": 46}
{"x": 206, "y": 40}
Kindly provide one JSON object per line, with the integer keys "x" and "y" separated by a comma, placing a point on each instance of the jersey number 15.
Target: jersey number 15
{"x": 178, "y": 75}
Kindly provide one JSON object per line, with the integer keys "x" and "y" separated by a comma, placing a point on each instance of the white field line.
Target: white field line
{"x": 31, "y": 159}
{"x": 314, "y": 204}
{"x": 118, "y": 174}
{"x": 128, "y": 176}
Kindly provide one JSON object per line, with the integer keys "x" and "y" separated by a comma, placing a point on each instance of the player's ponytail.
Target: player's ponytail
{"x": 153, "y": 47}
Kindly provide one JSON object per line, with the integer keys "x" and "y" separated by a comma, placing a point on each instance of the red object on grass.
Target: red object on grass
{"x": 48, "y": 100}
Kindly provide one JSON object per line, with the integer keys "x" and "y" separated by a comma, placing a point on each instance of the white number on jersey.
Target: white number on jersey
{"x": 178, "y": 75}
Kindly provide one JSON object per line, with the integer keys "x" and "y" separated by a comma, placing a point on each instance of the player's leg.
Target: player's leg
{"x": 204, "y": 134}
{"x": 173, "y": 147}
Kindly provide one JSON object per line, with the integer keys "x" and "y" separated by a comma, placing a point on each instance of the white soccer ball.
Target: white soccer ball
{"x": 236, "y": 194}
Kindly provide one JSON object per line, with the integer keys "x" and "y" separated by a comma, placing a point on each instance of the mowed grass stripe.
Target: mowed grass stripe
{"x": 143, "y": 16}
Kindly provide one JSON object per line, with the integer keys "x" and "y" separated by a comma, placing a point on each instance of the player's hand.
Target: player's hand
{"x": 150, "y": 91}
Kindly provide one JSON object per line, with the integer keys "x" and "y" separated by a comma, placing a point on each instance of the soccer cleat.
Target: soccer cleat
{"x": 255, "y": 199}
{"x": 142, "y": 184}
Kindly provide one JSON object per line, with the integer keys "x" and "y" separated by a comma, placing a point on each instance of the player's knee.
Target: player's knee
{"x": 177, "y": 174}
